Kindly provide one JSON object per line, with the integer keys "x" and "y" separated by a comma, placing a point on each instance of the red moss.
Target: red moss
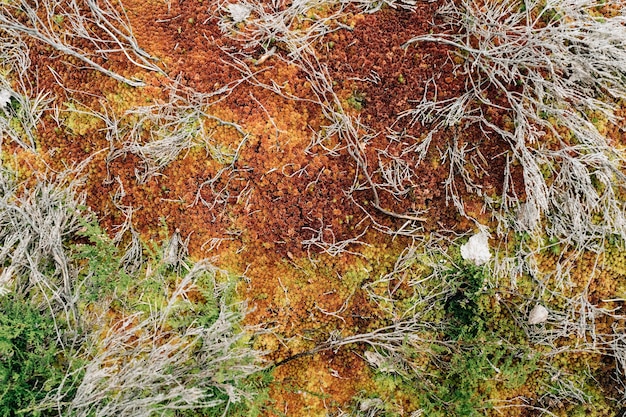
{"x": 374, "y": 50}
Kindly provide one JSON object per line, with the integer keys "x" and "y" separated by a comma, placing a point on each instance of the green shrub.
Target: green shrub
{"x": 475, "y": 374}
{"x": 30, "y": 357}
{"x": 489, "y": 352}
{"x": 103, "y": 273}
{"x": 462, "y": 307}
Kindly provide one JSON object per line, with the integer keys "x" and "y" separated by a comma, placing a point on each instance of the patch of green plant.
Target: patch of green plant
{"x": 476, "y": 372}
{"x": 58, "y": 19}
{"x": 462, "y": 307}
{"x": 551, "y": 15}
{"x": 77, "y": 120}
{"x": 103, "y": 273}
{"x": 31, "y": 361}
{"x": 553, "y": 245}
{"x": 202, "y": 311}
{"x": 13, "y": 108}
{"x": 393, "y": 396}
{"x": 356, "y": 100}
{"x": 259, "y": 402}
{"x": 487, "y": 351}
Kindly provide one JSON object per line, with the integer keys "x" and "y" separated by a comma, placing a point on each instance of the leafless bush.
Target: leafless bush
{"x": 14, "y": 52}
{"x": 140, "y": 366}
{"x": 294, "y": 25}
{"x": 563, "y": 388}
{"x": 64, "y": 25}
{"x": 21, "y": 114}
{"x": 159, "y": 133}
{"x": 423, "y": 267}
{"x": 133, "y": 257}
{"x": 35, "y": 225}
{"x": 555, "y": 65}
{"x": 290, "y": 25}
{"x": 325, "y": 240}
{"x": 21, "y": 104}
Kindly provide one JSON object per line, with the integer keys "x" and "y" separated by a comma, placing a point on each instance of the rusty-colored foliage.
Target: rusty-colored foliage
{"x": 371, "y": 62}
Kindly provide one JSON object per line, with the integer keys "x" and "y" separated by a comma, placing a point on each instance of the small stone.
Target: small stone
{"x": 5, "y": 98}
{"x": 477, "y": 249}
{"x": 538, "y": 314}
{"x": 239, "y": 12}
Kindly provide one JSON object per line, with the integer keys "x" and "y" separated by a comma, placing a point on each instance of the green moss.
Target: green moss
{"x": 478, "y": 369}
{"x": 356, "y": 100}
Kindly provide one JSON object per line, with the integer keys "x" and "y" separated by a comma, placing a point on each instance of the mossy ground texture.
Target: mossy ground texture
{"x": 257, "y": 208}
